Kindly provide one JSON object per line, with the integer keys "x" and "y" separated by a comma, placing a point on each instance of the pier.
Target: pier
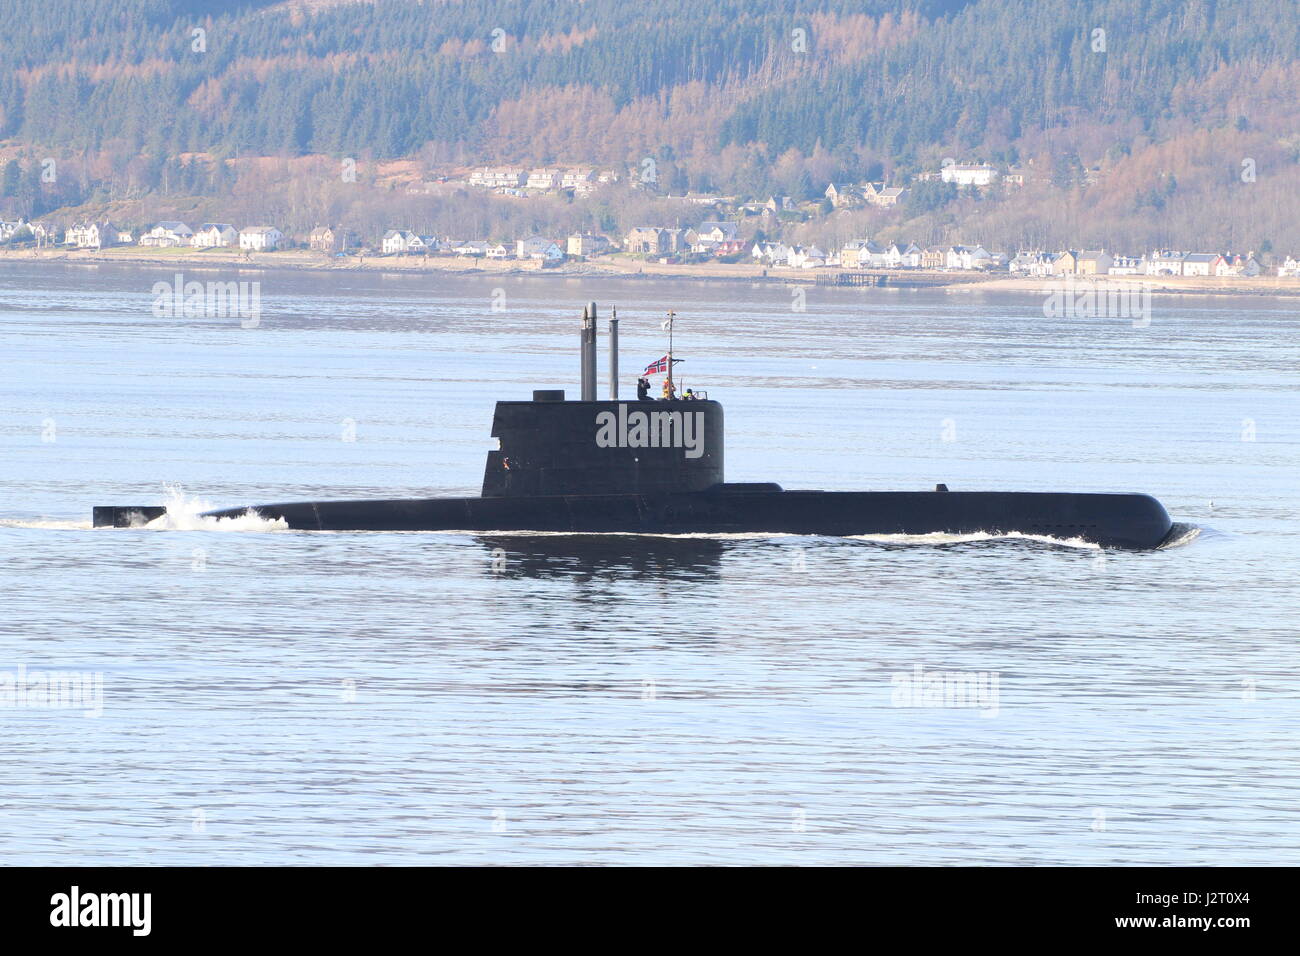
{"x": 852, "y": 278}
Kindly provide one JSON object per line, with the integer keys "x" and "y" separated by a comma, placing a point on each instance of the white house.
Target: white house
{"x": 168, "y": 234}
{"x": 709, "y": 234}
{"x": 1125, "y": 266}
{"x": 1164, "y": 262}
{"x": 497, "y": 251}
{"x": 873, "y": 255}
{"x": 495, "y": 177}
{"x": 1032, "y": 263}
{"x": 807, "y": 257}
{"x": 531, "y": 248}
{"x": 91, "y": 235}
{"x": 714, "y": 231}
{"x": 903, "y": 257}
{"x": 968, "y": 175}
{"x": 577, "y": 177}
{"x": 539, "y": 247}
{"x": 394, "y": 242}
{"x": 399, "y": 241}
{"x": 958, "y": 257}
{"x": 260, "y": 238}
{"x": 544, "y": 178}
{"x": 212, "y": 235}
{"x": 1289, "y": 269}
{"x": 968, "y": 257}
{"x": 771, "y": 253}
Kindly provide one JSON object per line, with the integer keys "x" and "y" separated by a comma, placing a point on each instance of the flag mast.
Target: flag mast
{"x": 671, "y": 315}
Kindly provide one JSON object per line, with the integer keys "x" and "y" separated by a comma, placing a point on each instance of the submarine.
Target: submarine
{"x": 590, "y": 466}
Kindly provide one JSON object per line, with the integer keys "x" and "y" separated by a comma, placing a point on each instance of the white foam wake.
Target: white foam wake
{"x": 945, "y": 537}
{"x": 45, "y": 524}
{"x": 186, "y": 514}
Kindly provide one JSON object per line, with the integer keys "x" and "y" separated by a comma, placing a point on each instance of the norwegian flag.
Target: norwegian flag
{"x": 660, "y": 366}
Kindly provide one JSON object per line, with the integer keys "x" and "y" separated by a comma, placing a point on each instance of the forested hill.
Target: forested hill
{"x": 386, "y": 76}
{"x": 892, "y": 82}
{"x": 1133, "y": 122}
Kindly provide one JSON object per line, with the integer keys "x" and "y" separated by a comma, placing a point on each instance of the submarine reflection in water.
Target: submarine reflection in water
{"x": 602, "y": 556}
{"x": 657, "y": 467}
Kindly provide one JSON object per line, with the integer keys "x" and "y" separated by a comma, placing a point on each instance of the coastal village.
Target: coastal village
{"x": 720, "y": 229}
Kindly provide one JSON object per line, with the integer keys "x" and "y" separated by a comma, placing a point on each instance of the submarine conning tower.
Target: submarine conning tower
{"x": 555, "y": 446}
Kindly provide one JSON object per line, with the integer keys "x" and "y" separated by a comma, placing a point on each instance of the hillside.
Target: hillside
{"x": 1140, "y": 134}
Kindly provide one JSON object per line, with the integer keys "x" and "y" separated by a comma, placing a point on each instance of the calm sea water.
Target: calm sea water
{"x": 284, "y": 697}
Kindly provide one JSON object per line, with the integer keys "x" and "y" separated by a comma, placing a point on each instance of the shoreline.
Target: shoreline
{"x": 948, "y": 282}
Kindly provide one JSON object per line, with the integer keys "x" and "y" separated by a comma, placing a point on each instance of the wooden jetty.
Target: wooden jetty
{"x": 852, "y": 278}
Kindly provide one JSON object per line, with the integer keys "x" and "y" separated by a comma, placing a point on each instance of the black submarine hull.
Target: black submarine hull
{"x": 657, "y": 467}
{"x": 1126, "y": 521}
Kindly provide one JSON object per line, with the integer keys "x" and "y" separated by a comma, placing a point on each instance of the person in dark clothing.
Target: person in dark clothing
{"x": 643, "y": 390}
